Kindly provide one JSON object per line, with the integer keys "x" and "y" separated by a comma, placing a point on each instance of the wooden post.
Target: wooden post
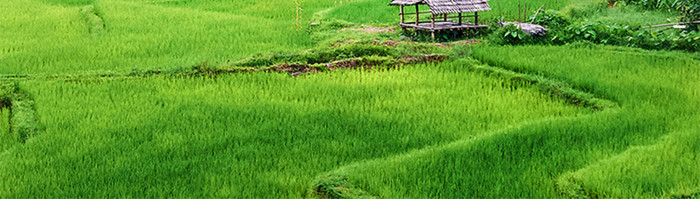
{"x": 417, "y": 15}
{"x": 519, "y": 10}
{"x": 432, "y": 26}
{"x": 460, "y": 18}
{"x": 500, "y": 15}
{"x": 538, "y": 12}
{"x": 525, "y": 13}
{"x": 402, "y": 14}
{"x": 444, "y": 18}
{"x": 476, "y": 18}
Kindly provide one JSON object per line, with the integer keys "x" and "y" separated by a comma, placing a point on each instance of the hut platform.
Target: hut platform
{"x": 441, "y": 25}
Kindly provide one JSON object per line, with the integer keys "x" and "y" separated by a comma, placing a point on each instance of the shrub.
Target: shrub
{"x": 563, "y": 32}
{"x": 512, "y": 35}
{"x": 550, "y": 19}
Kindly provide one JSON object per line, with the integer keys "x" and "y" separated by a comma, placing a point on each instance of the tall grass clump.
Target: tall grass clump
{"x": 94, "y": 22}
{"x": 6, "y": 136}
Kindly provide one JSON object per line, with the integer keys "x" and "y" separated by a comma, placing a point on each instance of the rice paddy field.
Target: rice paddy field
{"x": 245, "y": 99}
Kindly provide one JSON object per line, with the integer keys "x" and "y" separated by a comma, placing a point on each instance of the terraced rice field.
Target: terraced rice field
{"x": 144, "y": 98}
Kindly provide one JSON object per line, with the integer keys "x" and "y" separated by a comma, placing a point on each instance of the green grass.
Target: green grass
{"x": 264, "y": 135}
{"x": 630, "y": 15}
{"x": 667, "y": 169}
{"x": 143, "y": 35}
{"x": 6, "y": 137}
{"x": 661, "y": 87}
{"x": 647, "y": 148}
{"x": 467, "y": 127}
{"x": 366, "y": 12}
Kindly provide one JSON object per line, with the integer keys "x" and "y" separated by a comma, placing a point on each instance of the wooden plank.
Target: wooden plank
{"x": 428, "y": 26}
{"x": 463, "y": 16}
{"x": 410, "y": 13}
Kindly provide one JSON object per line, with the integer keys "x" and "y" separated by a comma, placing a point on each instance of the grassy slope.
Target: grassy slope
{"x": 619, "y": 152}
{"x": 264, "y": 135}
{"x": 49, "y": 38}
{"x": 146, "y": 34}
{"x": 539, "y": 153}
{"x": 647, "y": 138}
{"x": 656, "y": 87}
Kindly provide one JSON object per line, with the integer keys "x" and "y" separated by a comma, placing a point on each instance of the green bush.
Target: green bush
{"x": 561, "y": 31}
{"x": 550, "y": 19}
{"x": 512, "y": 35}
{"x": 632, "y": 36}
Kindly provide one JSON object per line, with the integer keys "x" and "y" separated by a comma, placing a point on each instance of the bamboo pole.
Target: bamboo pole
{"x": 417, "y": 15}
{"x": 536, "y": 13}
{"x": 402, "y": 14}
{"x": 432, "y": 26}
{"x": 500, "y": 14}
{"x": 459, "y": 15}
{"x": 525, "y": 13}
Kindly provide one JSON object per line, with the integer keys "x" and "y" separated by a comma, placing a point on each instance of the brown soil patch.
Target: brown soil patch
{"x": 293, "y": 69}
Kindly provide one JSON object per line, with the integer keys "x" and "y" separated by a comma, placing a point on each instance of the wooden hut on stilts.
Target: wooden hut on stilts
{"x": 442, "y": 13}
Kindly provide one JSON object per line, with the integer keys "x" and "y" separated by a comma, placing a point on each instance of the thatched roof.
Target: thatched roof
{"x": 448, "y": 6}
{"x": 405, "y": 2}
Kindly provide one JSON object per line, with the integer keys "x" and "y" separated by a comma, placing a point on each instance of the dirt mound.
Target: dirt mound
{"x": 293, "y": 69}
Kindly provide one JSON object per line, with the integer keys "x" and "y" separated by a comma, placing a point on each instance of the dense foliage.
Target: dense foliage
{"x": 562, "y": 31}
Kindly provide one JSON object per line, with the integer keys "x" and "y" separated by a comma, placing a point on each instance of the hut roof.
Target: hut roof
{"x": 448, "y": 6}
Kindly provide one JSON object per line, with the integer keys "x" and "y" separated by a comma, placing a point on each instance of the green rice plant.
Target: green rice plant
{"x": 91, "y": 117}
{"x": 243, "y": 135}
{"x": 658, "y": 86}
{"x": 142, "y": 34}
{"x": 646, "y": 148}
{"x": 6, "y": 137}
{"x": 94, "y": 22}
{"x": 632, "y": 15}
{"x": 667, "y": 169}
